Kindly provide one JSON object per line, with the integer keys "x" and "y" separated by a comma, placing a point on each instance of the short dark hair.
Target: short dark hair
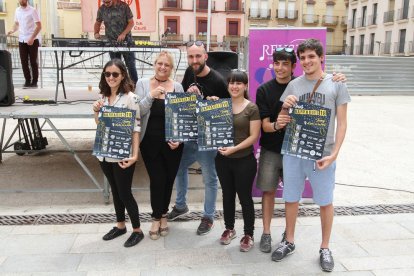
{"x": 283, "y": 55}
{"x": 310, "y": 44}
{"x": 127, "y": 85}
{"x": 237, "y": 75}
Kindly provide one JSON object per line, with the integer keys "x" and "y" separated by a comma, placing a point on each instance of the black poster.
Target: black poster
{"x": 114, "y": 132}
{"x": 180, "y": 117}
{"x": 305, "y": 136}
{"x": 215, "y": 124}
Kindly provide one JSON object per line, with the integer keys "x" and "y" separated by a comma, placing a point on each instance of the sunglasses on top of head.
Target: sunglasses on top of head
{"x": 108, "y": 74}
{"x": 286, "y": 49}
{"x": 196, "y": 43}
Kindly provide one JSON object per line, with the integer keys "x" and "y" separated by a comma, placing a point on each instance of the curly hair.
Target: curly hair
{"x": 126, "y": 84}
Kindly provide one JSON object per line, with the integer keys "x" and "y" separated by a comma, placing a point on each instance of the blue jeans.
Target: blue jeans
{"x": 129, "y": 59}
{"x": 206, "y": 160}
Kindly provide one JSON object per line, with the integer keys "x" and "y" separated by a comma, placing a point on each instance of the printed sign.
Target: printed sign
{"x": 215, "y": 124}
{"x": 305, "y": 136}
{"x": 114, "y": 132}
{"x": 180, "y": 117}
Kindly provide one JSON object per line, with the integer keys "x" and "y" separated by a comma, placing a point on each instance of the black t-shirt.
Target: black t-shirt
{"x": 268, "y": 100}
{"x": 213, "y": 84}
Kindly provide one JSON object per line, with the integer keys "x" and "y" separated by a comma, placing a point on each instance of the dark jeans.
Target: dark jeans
{"x": 162, "y": 168}
{"x": 29, "y": 52}
{"x": 236, "y": 175}
{"x": 129, "y": 59}
{"x": 121, "y": 181}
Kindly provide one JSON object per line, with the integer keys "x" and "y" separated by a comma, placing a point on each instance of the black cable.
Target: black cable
{"x": 375, "y": 187}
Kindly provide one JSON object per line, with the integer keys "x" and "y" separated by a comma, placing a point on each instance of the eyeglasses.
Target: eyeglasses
{"x": 108, "y": 74}
{"x": 196, "y": 43}
{"x": 239, "y": 70}
{"x": 281, "y": 49}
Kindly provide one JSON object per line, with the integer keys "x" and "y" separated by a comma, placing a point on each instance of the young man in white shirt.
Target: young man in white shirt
{"x": 27, "y": 22}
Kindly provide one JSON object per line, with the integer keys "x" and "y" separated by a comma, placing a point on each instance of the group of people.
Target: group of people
{"x": 235, "y": 167}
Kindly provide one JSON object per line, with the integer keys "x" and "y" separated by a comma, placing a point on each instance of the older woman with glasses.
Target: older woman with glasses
{"x": 116, "y": 87}
{"x": 161, "y": 158}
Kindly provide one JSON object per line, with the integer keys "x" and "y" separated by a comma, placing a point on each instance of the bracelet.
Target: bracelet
{"x": 274, "y": 126}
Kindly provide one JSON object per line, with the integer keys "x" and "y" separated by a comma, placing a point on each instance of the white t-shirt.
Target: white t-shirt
{"x": 26, "y": 17}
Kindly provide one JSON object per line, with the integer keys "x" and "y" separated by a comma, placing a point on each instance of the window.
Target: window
{"x": 329, "y": 14}
{"x": 2, "y": 9}
{"x": 309, "y": 15}
{"x": 371, "y": 43}
{"x": 259, "y": 8}
{"x": 361, "y": 44}
{"x": 234, "y": 28}
{"x": 374, "y": 13}
{"x": 254, "y": 8}
{"x": 264, "y": 8}
{"x": 387, "y": 44}
{"x": 406, "y": 3}
{"x": 281, "y": 9}
{"x": 172, "y": 3}
{"x": 2, "y": 27}
{"x": 202, "y": 26}
{"x": 203, "y": 4}
{"x": 402, "y": 41}
{"x": 351, "y": 50}
{"x": 234, "y": 5}
{"x": 364, "y": 16}
{"x": 172, "y": 24}
{"x": 353, "y": 18}
{"x": 291, "y": 10}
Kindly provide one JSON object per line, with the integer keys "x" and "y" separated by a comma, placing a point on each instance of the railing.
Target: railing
{"x": 372, "y": 20}
{"x": 399, "y": 48}
{"x": 361, "y": 22}
{"x": 389, "y": 16}
{"x": 259, "y": 14}
{"x": 357, "y": 50}
{"x": 344, "y": 20}
{"x": 352, "y": 23}
{"x": 287, "y": 14}
{"x": 204, "y": 7}
{"x": 173, "y": 38}
{"x": 369, "y": 49}
{"x": 402, "y": 14}
{"x": 231, "y": 7}
{"x": 172, "y": 4}
{"x": 310, "y": 19}
{"x": 232, "y": 38}
{"x": 334, "y": 50}
{"x": 213, "y": 38}
{"x": 329, "y": 20}
{"x": 386, "y": 49}
{"x": 68, "y": 5}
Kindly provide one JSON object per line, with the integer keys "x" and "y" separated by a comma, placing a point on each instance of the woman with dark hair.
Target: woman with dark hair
{"x": 236, "y": 166}
{"x": 115, "y": 87}
{"x": 161, "y": 158}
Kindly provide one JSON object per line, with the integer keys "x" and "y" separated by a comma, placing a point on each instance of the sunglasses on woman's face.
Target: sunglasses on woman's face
{"x": 196, "y": 43}
{"x": 114, "y": 74}
{"x": 288, "y": 50}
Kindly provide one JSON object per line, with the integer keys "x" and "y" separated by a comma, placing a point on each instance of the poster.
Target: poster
{"x": 305, "y": 136}
{"x": 180, "y": 117}
{"x": 114, "y": 132}
{"x": 215, "y": 124}
{"x": 262, "y": 43}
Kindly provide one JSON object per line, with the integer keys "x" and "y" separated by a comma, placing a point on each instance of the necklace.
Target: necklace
{"x": 159, "y": 80}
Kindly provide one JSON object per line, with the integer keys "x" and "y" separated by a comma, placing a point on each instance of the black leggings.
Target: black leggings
{"x": 236, "y": 175}
{"x": 121, "y": 181}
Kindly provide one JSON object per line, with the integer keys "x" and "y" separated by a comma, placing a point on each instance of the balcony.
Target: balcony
{"x": 61, "y": 5}
{"x": 235, "y": 7}
{"x": 329, "y": 20}
{"x": 232, "y": 39}
{"x": 310, "y": 19}
{"x": 203, "y": 6}
{"x": 372, "y": 20}
{"x": 361, "y": 22}
{"x": 259, "y": 14}
{"x": 389, "y": 16}
{"x": 171, "y": 4}
{"x": 344, "y": 20}
{"x": 176, "y": 38}
{"x": 213, "y": 38}
{"x": 399, "y": 48}
{"x": 287, "y": 14}
{"x": 402, "y": 14}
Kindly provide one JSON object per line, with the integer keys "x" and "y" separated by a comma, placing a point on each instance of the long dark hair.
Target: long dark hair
{"x": 239, "y": 76}
{"x": 126, "y": 84}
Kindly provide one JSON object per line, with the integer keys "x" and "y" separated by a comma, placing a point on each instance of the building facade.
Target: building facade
{"x": 303, "y": 13}
{"x": 380, "y": 27}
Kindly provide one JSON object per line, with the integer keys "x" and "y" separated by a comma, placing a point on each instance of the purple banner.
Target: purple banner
{"x": 262, "y": 44}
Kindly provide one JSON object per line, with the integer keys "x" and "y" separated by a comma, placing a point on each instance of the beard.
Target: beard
{"x": 200, "y": 68}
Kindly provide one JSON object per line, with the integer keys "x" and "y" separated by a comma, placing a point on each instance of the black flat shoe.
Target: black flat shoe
{"x": 135, "y": 238}
{"x": 115, "y": 232}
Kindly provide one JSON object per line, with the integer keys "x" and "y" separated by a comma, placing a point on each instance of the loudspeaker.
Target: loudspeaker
{"x": 223, "y": 62}
{"x": 6, "y": 79}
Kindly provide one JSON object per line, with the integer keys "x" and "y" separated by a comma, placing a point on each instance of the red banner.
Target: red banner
{"x": 144, "y": 15}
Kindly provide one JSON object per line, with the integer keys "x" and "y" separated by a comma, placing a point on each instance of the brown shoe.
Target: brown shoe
{"x": 155, "y": 235}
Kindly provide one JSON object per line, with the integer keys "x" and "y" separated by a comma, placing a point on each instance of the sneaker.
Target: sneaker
{"x": 134, "y": 239}
{"x": 266, "y": 243}
{"x": 246, "y": 243}
{"x": 33, "y": 85}
{"x": 26, "y": 85}
{"x": 205, "y": 226}
{"x": 285, "y": 248}
{"x": 326, "y": 260}
{"x": 177, "y": 213}
{"x": 283, "y": 236}
{"x": 227, "y": 236}
{"x": 114, "y": 233}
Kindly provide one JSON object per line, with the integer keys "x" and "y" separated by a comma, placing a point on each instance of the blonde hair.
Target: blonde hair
{"x": 169, "y": 57}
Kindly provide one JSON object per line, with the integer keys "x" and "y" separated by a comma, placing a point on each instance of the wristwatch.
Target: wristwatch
{"x": 274, "y": 126}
